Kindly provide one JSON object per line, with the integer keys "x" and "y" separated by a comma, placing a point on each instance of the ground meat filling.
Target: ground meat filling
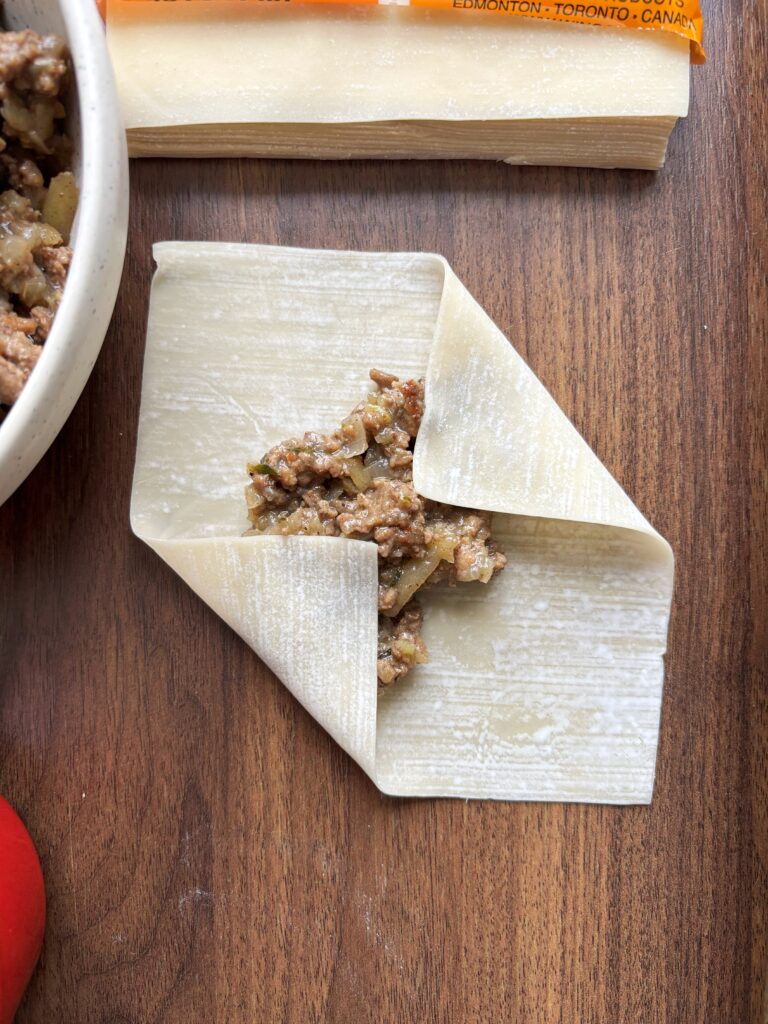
{"x": 358, "y": 482}
{"x": 38, "y": 198}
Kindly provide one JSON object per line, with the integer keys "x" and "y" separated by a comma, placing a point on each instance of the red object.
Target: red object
{"x": 22, "y": 910}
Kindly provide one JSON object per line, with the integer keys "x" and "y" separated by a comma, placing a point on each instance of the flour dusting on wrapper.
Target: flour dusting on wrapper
{"x": 544, "y": 683}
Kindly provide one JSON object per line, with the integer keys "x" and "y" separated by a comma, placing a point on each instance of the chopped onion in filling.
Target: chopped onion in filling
{"x": 358, "y": 483}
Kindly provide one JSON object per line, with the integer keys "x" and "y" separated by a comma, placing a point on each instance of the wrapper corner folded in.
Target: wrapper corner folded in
{"x": 544, "y": 685}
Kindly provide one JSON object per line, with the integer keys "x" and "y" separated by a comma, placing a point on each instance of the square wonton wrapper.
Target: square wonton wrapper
{"x": 388, "y": 80}
{"x": 544, "y": 685}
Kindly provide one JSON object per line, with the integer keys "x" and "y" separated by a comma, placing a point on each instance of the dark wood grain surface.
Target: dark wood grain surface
{"x": 210, "y": 854}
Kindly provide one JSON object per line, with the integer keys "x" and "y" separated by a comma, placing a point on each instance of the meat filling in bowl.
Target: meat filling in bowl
{"x": 38, "y": 199}
{"x": 358, "y": 482}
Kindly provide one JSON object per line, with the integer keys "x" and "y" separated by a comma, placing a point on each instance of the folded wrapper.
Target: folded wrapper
{"x": 545, "y": 684}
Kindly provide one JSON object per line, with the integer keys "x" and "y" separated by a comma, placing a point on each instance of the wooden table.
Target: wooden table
{"x": 210, "y": 854}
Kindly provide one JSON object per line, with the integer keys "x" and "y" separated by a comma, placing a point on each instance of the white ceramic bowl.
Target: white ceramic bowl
{"x": 98, "y": 238}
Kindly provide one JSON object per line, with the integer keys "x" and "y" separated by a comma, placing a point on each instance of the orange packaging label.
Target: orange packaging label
{"x": 681, "y": 17}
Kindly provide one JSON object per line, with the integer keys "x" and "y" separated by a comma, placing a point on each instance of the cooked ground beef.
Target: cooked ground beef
{"x": 38, "y": 198}
{"x": 400, "y": 644}
{"x": 358, "y": 482}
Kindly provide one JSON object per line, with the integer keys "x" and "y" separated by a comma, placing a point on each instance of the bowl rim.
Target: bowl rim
{"x": 80, "y": 324}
